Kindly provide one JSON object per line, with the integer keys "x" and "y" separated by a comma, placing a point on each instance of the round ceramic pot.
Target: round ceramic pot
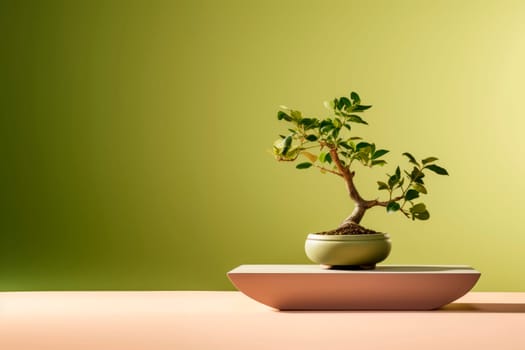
{"x": 348, "y": 250}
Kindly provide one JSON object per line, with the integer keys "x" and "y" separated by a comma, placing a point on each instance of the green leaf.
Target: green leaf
{"x": 411, "y": 158}
{"x": 325, "y": 157}
{"x": 281, "y": 115}
{"x": 437, "y": 169}
{"x": 392, "y": 207}
{"x": 417, "y": 176}
{"x": 360, "y": 108}
{"x": 411, "y": 194}
{"x": 420, "y": 212}
{"x": 382, "y": 186}
{"x": 311, "y": 138}
{"x": 345, "y": 144}
{"x": 287, "y": 143}
{"x": 392, "y": 181}
{"x": 362, "y": 157}
{"x": 422, "y": 216}
{"x": 308, "y": 123}
{"x": 326, "y": 126}
{"x": 418, "y": 208}
{"x": 356, "y": 119}
{"x": 326, "y": 129}
{"x": 326, "y": 122}
{"x": 283, "y": 149}
{"x": 296, "y": 115}
{"x": 379, "y": 153}
{"x": 293, "y": 153}
{"x": 378, "y": 162}
{"x": 343, "y": 103}
{"x": 355, "y": 98}
{"x": 362, "y": 145}
{"x": 429, "y": 160}
{"x": 420, "y": 188}
{"x": 304, "y": 165}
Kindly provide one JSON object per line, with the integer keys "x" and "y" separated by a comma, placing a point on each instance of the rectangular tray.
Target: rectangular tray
{"x": 388, "y": 287}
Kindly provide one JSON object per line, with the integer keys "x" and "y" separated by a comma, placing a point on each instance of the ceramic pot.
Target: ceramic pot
{"x": 360, "y": 251}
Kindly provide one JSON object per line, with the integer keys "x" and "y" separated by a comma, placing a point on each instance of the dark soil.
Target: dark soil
{"x": 349, "y": 229}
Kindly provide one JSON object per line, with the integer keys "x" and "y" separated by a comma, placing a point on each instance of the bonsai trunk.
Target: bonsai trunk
{"x": 351, "y": 224}
{"x": 361, "y": 205}
{"x": 356, "y": 216}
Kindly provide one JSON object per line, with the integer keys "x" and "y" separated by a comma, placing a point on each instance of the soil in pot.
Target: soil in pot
{"x": 349, "y": 229}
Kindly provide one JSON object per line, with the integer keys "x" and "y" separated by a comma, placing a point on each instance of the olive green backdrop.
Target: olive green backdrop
{"x": 136, "y": 135}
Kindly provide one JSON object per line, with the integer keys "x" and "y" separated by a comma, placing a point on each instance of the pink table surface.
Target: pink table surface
{"x": 183, "y": 320}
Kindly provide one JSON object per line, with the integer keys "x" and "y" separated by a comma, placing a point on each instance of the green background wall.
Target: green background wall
{"x": 136, "y": 136}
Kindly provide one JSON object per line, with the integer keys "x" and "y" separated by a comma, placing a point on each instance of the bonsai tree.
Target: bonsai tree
{"x": 327, "y": 144}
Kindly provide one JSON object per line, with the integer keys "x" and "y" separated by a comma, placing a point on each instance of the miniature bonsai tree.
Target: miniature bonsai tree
{"x": 327, "y": 144}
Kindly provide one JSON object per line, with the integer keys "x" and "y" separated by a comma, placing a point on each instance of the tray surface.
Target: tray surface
{"x": 388, "y": 287}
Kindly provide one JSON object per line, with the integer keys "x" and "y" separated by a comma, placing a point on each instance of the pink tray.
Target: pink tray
{"x": 389, "y": 287}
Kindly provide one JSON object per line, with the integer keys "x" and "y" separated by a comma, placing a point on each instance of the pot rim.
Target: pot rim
{"x": 361, "y": 237}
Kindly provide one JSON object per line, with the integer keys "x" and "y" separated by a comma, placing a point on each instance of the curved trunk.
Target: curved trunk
{"x": 348, "y": 226}
{"x": 356, "y": 216}
{"x": 361, "y": 205}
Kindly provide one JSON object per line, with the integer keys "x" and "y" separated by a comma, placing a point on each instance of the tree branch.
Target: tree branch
{"x": 348, "y": 176}
{"x": 361, "y": 204}
{"x": 374, "y": 203}
{"x": 328, "y": 170}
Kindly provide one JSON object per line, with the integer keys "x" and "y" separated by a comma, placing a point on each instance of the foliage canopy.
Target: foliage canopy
{"x": 328, "y": 144}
